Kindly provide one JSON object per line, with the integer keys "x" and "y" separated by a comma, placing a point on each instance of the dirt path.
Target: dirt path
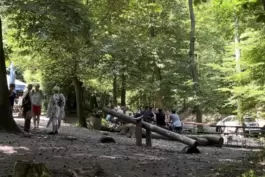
{"x": 122, "y": 159}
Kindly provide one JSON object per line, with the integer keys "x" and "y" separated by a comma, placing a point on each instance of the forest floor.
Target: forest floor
{"x": 62, "y": 153}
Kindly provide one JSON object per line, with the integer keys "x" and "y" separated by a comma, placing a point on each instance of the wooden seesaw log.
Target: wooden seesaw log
{"x": 130, "y": 130}
{"x": 172, "y": 135}
{"x": 202, "y": 140}
{"x": 212, "y": 140}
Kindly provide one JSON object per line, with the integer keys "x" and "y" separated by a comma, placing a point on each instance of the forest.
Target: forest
{"x": 204, "y": 55}
{"x": 200, "y": 55}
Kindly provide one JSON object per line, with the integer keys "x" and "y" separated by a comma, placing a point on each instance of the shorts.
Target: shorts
{"x": 178, "y": 130}
{"x": 36, "y": 110}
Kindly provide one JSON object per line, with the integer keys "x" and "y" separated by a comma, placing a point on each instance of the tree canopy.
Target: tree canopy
{"x": 137, "y": 51}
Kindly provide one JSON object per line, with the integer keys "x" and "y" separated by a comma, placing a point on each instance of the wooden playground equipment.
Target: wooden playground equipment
{"x": 192, "y": 141}
{"x": 252, "y": 137}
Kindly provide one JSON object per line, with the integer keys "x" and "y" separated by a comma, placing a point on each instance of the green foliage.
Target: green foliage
{"x": 51, "y": 38}
{"x": 250, "y": 173}
{"x": 97, "y": 40}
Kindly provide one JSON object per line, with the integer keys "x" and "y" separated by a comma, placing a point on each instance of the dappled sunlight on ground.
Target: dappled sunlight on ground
{"x": 229, "y": 160}
{"x": 150, "y": 157}
{"x": 242, "y": 149}
{"x": 43, "y": 122}
{"x": 77, "y": 147}
{"x": 51, "y": 148}
{"x": 109, "y": 157}
{"x": 11, "y": 149}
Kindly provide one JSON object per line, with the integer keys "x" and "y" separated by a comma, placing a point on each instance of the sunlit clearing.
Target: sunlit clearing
{"x": 11, "y": 149}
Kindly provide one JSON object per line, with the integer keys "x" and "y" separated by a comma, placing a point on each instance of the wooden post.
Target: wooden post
{"x": 138, "y": 131}
{"x": 148, "y": 137}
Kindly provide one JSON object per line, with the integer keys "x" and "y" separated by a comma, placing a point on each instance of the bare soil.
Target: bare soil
{"x": 79, "y": 148}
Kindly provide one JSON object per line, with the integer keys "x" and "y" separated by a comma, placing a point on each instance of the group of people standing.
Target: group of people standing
{"x": 162, "y": 119}
{"x": 32, "y": 103}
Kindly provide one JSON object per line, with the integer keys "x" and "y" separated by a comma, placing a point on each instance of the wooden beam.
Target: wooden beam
{"x": 174, "y": 136}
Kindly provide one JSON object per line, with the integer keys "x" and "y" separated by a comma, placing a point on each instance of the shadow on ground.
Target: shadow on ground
{"x": 77, "y": 148}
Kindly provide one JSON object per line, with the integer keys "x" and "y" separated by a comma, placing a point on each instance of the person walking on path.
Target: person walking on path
{"x": 62, "y": 104}
{"x": 55, "y": 110}
{"x": 12, "y": 95}
{"x": 26, "y": 106}
{"x": 36, "y": 100}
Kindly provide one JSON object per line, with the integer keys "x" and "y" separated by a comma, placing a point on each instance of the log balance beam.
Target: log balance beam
{"x": 192, "y": 144}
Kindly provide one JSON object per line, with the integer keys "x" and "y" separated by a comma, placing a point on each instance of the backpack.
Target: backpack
{"x": 61, "y": 102}
{"x": 26, "y": 100}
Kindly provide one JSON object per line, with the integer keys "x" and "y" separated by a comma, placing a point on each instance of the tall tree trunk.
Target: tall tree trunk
{"x": 107, "y": 99}
{"x": 158, "y": 93}
{"x": 238, "y": 67}
{"x": 184, "y": 104}
{"x": 194, "y": 71}
{"x": 103, "y": 100}
{"x": 114, "y": 90}
{"x": 237, "y": 43}
{"x": 79, "y": 102}
{"x": 123, "y": 89}
{"x": 193, "y": 63}
{"x": 140, "y": 103}
{"x": 7, "y": 122}
{"x": 157, "y": 70}
{"x": 93, "y": 101}
{"x": 145, "y": 101}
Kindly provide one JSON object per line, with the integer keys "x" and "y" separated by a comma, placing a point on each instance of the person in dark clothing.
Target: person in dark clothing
{"x": 148, "y": 114}
{"x": 160, "y": 118}
{"x": 12, "y": 95}
{"x": 138, "y": 114}
{"x": 26, "y": 105}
